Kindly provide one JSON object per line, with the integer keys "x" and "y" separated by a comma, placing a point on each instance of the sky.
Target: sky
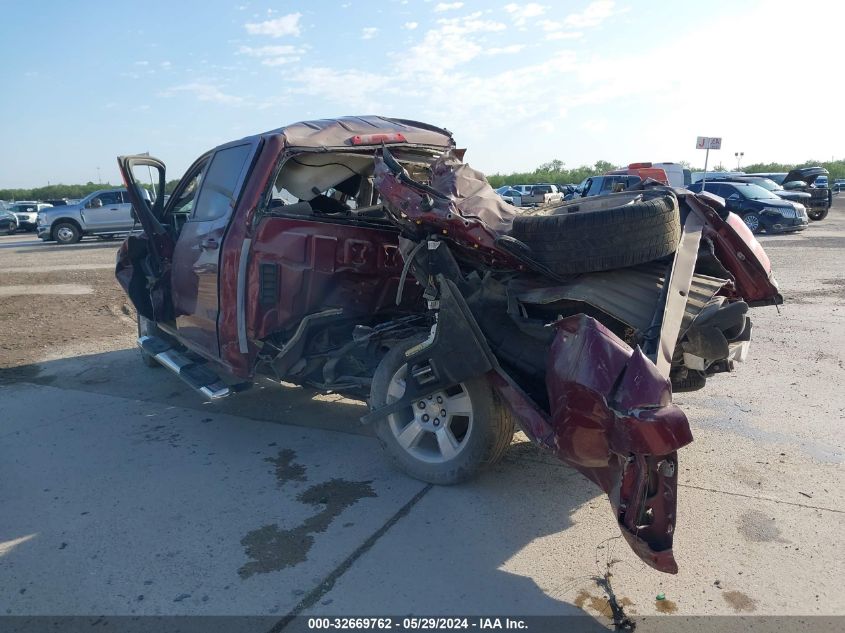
{"x": 518, "y": 83}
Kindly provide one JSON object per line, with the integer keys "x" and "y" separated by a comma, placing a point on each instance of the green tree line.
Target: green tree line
{"x": 554, "y": 171}
{"x": 835, "y": 167}
{"x": 58, "y": 191}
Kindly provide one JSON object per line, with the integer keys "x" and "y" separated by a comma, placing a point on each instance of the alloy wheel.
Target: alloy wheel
{"x": 437, "y": 427}
{"x": 752, "y": 221}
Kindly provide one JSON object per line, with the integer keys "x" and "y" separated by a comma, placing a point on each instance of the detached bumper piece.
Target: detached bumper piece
{"x": 195, "y": 374}
{"x": 613, "y": 420}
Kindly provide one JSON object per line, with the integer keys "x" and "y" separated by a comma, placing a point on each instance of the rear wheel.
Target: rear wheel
{"x": 752, "y": 221}
{"x": 817, "y": 214}
{"x": 12, "y": 228}
{"x": 66, "y": 233}
{"x": 444, "y": 437}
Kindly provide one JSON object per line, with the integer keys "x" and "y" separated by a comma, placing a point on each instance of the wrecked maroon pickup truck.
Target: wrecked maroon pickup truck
{"x": 361, "y": 255}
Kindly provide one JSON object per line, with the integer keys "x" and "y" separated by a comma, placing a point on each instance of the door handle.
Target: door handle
{"x": 209, "y": 244}
{"x": 113, "y": 209}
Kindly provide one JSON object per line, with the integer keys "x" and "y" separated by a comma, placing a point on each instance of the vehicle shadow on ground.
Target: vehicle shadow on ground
{"x": 120, "y": 373}
{"x": 528, "y": 498}
{"x": 500, "y": 544}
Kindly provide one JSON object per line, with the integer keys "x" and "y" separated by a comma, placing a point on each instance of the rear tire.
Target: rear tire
{"x": 12, "y": 228}
{"x": 66, "y": 233}
{"x": 473, "y": 435}
{"x": 817, "y": 214}
{"x": 603, "y": 239}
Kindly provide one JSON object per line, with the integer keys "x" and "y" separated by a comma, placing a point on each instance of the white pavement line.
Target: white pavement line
{"x": 58, "y": 268}
{"x": 46, "y": 289}
{"x": 759, "y": 498}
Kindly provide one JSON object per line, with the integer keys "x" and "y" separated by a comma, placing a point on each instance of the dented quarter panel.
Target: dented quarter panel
{"x": 740, "y": 253}
{"x": 611, "y": 417}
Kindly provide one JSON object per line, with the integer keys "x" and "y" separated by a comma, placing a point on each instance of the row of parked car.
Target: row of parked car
{"x": 104, "y": 213}
{"x": 771, "y": 202}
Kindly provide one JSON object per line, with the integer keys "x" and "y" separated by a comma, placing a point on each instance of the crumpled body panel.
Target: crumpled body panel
{"x": 611, "y": 418}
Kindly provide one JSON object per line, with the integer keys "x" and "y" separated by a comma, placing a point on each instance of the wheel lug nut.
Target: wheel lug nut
{"x": 429, "y": 397}
{"x": 421, "y": 404}
{"x": 436, "y": 421}
{"x": 439, "y": 399}
{"x": 425, "y": 417}
{"x": 443, "y": 412}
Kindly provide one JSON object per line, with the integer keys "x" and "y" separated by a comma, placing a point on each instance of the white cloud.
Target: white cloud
{"x": 448, "y": 45}
{"x": 557, "y": 31}
{"x": 204, "y": 91}
{"x": 279, "y": 27}
{"x": 332, "y": 85}
{"x": 593, "y": 15}
{"x": 564, "y": 35}
{"x": 166, "y": 65}
{"x": 273, "y": 55}
{"x": 368, "y": 33}
{"x": 596, "y": 126}
{"x": 506, "y": 50}
{"x": 142, "y": 63}
{"x": 529, "y": 10}
{"x": 523, "y": 12}
{"x": 410, "y": 25}
{"x": 447, "y": 6}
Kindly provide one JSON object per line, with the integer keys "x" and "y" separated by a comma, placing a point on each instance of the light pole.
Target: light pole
{"x": 99, "y": 180}
{"x": 739, "y": 156}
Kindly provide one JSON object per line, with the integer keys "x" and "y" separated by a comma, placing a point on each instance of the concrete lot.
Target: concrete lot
{"x": 122, "y": 493}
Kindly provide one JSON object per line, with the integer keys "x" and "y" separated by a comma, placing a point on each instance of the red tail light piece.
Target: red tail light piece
{"x": 377, "y": 139}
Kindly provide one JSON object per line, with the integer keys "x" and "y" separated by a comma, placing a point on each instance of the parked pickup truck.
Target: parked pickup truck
{"x": 362, "y": 256}
{"x": 104, "y": 213}
{"x": 538, "y": 195}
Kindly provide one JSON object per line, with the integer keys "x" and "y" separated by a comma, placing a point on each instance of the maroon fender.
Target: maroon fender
{"x": 611, "y": 417}
{"x": 740, "y": 253}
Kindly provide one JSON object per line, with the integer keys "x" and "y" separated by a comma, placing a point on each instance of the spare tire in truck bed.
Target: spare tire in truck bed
{"x": 602, "y": 233}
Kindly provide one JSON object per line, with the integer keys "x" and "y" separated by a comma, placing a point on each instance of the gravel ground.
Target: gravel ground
{"x": 56, "y": 299}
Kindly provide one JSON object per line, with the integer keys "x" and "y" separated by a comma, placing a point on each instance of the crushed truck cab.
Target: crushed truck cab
{"x": 362, "y": 256}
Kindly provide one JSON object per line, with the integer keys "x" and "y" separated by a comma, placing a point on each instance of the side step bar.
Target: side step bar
{"x": 197, "y": 375}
